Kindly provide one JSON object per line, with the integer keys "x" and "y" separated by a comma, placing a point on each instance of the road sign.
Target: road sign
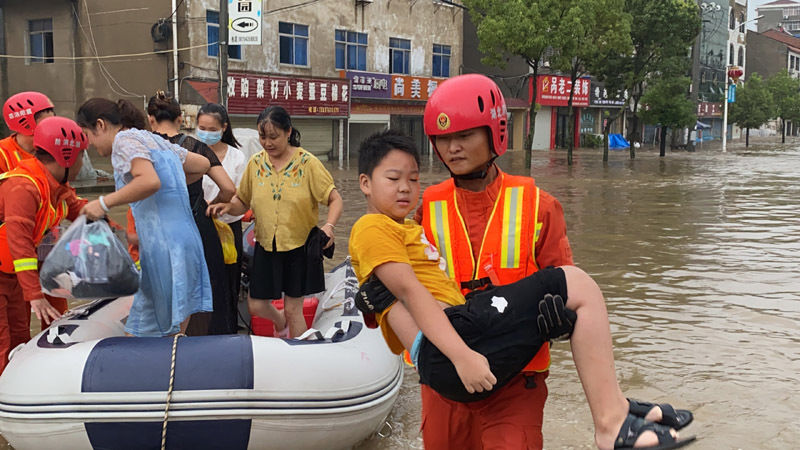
{"x": 244, "y": 22}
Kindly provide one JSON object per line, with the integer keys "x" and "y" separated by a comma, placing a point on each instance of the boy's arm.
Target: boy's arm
{"x": 428, "y": 316}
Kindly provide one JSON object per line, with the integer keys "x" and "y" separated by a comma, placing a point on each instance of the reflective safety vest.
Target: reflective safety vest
{"x": 11, "y": 154}
{"x": 47, "y": 215}
{"x": 508, "y": 247}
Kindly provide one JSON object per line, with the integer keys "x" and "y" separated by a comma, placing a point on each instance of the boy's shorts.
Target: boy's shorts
{"x": 499, "y": 323}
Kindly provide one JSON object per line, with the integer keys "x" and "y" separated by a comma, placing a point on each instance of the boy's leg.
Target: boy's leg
{"x": 594, "y": 360}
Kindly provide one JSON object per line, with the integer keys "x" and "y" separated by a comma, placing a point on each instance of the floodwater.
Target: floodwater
{"x": 697, "y": 255}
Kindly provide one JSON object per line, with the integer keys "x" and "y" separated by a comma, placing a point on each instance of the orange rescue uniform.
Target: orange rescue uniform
{"x": 490, "y": 236}
{"x": 31, "y": 202}
{"x": 11, "y": 153}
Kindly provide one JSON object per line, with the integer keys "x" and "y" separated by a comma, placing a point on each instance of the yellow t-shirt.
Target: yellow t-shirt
{"x": 376, "y": 239}
{"x": 285, "y": 203}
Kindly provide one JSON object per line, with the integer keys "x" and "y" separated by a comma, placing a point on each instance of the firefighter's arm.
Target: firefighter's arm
{"x": 552, "y": 247}
{"x": 74, "y": 204}
{"x": 20, "y": 222}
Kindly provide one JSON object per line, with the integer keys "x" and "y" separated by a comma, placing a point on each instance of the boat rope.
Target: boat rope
{"x": 169, "y": 391}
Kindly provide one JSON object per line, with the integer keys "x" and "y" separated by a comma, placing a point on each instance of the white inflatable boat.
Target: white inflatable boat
{"x": 81, "y": 384}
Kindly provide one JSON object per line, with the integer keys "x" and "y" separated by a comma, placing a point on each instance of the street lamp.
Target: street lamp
{"x": 727, "y": 77}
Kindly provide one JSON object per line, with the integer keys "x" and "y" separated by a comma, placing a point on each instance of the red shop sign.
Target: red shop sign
{"x": 302, "y": 97}
{"x": 553, "y": 90}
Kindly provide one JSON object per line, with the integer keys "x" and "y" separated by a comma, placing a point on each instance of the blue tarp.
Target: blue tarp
{"x": 617, "y": 142}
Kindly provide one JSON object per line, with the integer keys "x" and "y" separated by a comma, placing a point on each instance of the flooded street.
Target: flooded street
{"x": 697, "y": 255}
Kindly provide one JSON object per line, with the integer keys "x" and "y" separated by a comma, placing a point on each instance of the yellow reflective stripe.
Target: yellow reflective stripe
{"x": 441, "y": 233}
{"x": 138, "y": 265}
{"x": 512, "y": 218}
{"x": 9, "y": 175}
{"x": 23, "y": 264}
{"x": 537, "y": 229}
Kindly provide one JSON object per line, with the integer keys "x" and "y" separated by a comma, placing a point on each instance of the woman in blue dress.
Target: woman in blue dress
{"x": 151, "y": 174}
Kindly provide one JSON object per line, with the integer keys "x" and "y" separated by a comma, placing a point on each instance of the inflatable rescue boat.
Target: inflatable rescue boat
{"x": 81, "y": 384}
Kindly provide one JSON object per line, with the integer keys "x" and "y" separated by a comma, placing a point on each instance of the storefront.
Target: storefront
{"x": 552, "y": 120}
{"x": 319, "y": 107}
{"x": 709, "y": 114}
{"x": 381, "y": 100}
{"x": 603, "y": 106}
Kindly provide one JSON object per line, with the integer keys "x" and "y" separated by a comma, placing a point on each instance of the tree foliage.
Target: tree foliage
{"x": 753, "y": 106}
{"x": 668, "y": 105}
{"x": 785, "y": 91}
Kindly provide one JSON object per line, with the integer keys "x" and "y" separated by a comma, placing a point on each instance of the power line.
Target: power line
{"x": 126, "y": 55}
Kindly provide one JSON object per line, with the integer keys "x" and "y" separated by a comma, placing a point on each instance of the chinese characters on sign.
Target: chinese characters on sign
{"x": 600, "y": 96}
{"x": 554, "y": 90}
{"x": 397, "y": 87}
{"x": 250, "y": 94}
{"x": 707, "y": 109}
{"x": 244, "y": 26}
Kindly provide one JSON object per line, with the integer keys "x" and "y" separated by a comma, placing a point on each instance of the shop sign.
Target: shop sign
{"x": 244, "y": 26}
{"x": 384, "y": 108}
{"x": 708, "y": 109}
{"x": 405, "y": 87}
{"x": 302, "y": 97}
{"x": 554, "y": 90}
{"x": 600, "y": 96}
{"x": 369, "y": 85}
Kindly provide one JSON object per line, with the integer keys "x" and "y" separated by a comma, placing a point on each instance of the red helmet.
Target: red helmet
{"x": 62, "y": 138}
{"x": 19, "y": 110}
{"x": 464, "y": 102}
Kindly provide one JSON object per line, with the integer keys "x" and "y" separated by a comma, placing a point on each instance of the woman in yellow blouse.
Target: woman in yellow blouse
{"x": 284, "y": 185}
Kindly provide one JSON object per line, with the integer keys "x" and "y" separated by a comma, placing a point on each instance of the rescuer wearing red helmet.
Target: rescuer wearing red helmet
{"x": 21, "y": 112}
{"x": 34, "y": 197}
{"x": 492, "y": 228}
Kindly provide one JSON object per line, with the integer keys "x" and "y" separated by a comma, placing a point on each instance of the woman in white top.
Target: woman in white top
{"x": 214, "y": 129}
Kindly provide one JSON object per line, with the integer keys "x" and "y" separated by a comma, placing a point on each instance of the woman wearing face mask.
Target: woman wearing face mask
{"x": 214, "y": 129}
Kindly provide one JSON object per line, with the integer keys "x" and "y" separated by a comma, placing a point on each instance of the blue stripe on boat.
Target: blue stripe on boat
{"x": 129, "y": 364}
{"x": 194, "y": 434}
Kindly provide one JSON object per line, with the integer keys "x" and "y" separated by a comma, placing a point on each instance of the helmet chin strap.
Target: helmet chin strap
{"x": 478, "y": 174}
{"x": 66, "y": 175}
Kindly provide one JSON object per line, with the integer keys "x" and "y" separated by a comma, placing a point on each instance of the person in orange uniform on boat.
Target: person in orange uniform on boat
{"x": 21, "y": 112}
{"x": 34, "y": 197}
{"x": 492, "y": 229}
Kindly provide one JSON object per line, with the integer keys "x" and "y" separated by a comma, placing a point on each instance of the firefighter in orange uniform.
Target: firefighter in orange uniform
{"x": 491, "y": 228}
{"x": 21, "y": 112}
{"x": 34, "y": 197}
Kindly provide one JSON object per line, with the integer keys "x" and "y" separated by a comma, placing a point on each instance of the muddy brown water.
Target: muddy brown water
{"x": 698, "y": 255}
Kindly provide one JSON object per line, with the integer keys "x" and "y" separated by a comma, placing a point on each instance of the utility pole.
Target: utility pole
{"x": 223, "y": 52}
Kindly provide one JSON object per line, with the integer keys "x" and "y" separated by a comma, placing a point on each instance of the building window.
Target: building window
{"x": 40, "y": 34}
{"x": 730, "y": 55}
{"x": 351, "y": 50}
{"x": 741, "y": 57}
{"x": 294, "y": 43}
{"x": 212, "y": 28}
{"x": 441, "y": 60}
{"x": 399, "y": 55}
{"x": 741, "y": 23}
{"x": 732, "y": 20}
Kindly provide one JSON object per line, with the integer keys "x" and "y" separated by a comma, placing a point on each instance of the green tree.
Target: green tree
{"x": 667, "y": 105}
{"x": 586, "y": 31}
{"x": 785, "y": 91}
{"x": 753, "y": 106}
{"x": 516, "y": 27}
{"x": 660, "y": 54}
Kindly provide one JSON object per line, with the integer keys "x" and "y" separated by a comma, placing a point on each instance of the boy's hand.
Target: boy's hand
{"x": 475, "y": 373}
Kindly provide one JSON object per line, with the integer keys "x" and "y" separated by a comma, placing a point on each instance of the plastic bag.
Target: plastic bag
{"x": 89, "y": 262}
{"x": 228, "y": 243}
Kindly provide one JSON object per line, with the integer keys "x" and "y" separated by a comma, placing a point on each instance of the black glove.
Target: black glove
{"x": 373, "y": 297}
{"x": 555, "y": 320}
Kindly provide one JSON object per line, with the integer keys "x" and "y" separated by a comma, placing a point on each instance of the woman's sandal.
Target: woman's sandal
{"x": 634, "y": 426}
{"x": 671, "y": 417}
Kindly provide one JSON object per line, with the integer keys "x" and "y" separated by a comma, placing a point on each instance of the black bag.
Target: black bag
{"x": 89, "y": 262}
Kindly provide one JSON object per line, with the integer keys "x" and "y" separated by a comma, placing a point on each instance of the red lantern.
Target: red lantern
{"x": 734, "y": 73}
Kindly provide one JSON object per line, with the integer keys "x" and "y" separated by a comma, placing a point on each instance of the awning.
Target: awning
{"x": 700, "y": 125}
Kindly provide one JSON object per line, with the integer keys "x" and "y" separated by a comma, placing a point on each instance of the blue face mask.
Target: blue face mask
{"x": 209, "y": 137}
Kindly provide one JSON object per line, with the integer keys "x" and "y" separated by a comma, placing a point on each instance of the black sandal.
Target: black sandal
{"x": 634, "y": 426}
{"x": 671, "y": 417}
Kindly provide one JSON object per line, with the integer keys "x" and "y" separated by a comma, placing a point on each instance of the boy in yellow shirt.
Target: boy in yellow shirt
{"x": 465, "y": 348}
